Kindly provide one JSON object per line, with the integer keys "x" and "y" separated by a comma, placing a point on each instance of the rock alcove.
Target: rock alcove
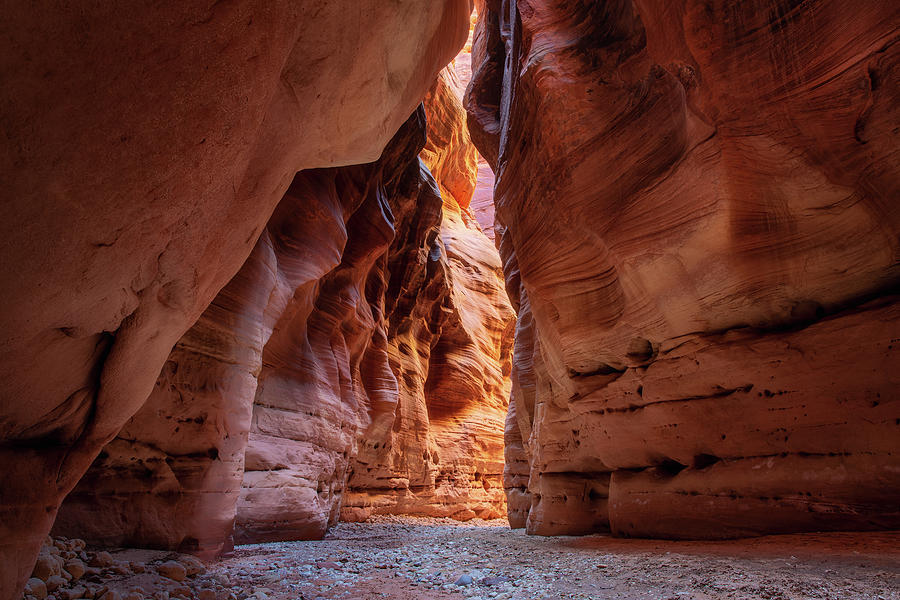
{"x": 260, "y": 283}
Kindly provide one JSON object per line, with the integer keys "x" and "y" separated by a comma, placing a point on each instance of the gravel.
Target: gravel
{"x": 417, "y": 558}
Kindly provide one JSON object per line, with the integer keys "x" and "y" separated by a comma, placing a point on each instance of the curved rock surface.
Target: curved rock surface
{"x": 310, "y": 350}
{"x": 140, "y": 169}
{"x": 696, "y": 200}
{"x": 449, "y": 343}
{"x": 426, "y": 333}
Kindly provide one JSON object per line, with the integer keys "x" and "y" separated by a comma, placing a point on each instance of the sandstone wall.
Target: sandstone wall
{"x": 146, "y": 148}
{"x": 450, "y": 345}
{"x": 699, "y": 225}
{"x": 367, "y": 337}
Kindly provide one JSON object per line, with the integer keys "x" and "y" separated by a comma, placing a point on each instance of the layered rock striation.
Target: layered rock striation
{"x": 697, "y": 203}
{"x": 449, "y": 333}
{"x": 141, "y": 168}
{"x": 367, "y": 338}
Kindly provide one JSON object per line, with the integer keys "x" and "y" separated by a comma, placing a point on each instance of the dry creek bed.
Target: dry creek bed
{"x": 405, "y": 558}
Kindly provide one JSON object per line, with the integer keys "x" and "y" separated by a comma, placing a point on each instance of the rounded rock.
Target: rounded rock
{"x": 102, "y": 559}
{"x": 54, "y": 582}
{"x": 36, "y": 587}
{"x": 76, "y": 568}
{"x": 172, "y": 569}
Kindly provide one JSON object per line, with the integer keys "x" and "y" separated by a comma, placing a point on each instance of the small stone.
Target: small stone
{"x": 328, "y": 564}
{"x": 172, "y": 570}
{"x": 137, "y": 567}
{"x": 102, "y": 560}
{"x": 181, "y": 591}
{"x": 72, "y": 593}
{"x": 464, "y": 580}
{"x": 192, "y": 565}
{"x": 36, "y": 587}
{"x": 54, "y": 582}
{"x": 494, "y": 580}
{"x": 45, "y": 567}
{"x": 111, "y": 595}
{"x": 76, "y": 568}
{"x": 92, "y": 572}
{"x": 133, "y": 596}
{"x": 120, "y": 569}
{"x": 206, "y": 594}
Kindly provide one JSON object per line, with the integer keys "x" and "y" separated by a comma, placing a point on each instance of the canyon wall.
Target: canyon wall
{"x": 368, "y": 336}
{"x": 449, "y": 343}
{"x": 146, "y": 148}
{"x": 697, "y": 204}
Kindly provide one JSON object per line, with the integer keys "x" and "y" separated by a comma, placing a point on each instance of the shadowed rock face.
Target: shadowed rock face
{"x": 367, "y": 336}
{"x": 699, "y": 225}
{"x": 147, "y": 147}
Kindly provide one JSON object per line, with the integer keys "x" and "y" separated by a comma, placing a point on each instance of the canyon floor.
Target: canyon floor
{"x": 413, "y": 558}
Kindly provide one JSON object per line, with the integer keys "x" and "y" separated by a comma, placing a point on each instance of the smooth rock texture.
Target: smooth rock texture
{"x": 419, "y": 391}
{"x": 147, "y": 146}
{"x": 305, "y": 353}
{"x": 696, "y": 202}
{"x": 323, "y": 373}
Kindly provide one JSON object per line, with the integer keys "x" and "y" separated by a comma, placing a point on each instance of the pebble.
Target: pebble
{"x": 36, "y": 587}
{"x": 172, "y": 569}
{"x": 102, "y": 560}
{"x": 192, "y": 565}
{"x": 45, "y": 566}
{"x": 76, "y": 568}
{"x": 55, "y": 582}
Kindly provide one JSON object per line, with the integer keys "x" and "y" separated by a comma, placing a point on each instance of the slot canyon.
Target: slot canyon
{"x": 487, "y": 299}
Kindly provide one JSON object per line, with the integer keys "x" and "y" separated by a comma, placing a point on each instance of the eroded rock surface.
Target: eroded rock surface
{"x": 147, "y": 147}
{"x": 697, "y": 200}
{"x": 427, "y": 334}
{"x": 367, "y": 336}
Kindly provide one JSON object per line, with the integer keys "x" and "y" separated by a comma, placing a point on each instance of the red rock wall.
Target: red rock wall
{"x": 325, "y": 373}
{"x": 449, "y": 343}
{"x": 317, "y": 327}
{"x": 697, "y": 200}
{"x": 146, "y": 149}
{"x": 425, "y": 329}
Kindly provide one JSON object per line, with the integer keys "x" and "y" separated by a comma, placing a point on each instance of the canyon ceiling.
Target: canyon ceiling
{"x": 245, "y": 293}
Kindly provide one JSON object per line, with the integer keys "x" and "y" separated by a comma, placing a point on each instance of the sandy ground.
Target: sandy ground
{"x": 407, "y": 558}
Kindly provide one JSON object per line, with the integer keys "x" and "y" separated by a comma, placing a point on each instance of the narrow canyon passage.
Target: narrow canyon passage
{"x": 523, "y": 299}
